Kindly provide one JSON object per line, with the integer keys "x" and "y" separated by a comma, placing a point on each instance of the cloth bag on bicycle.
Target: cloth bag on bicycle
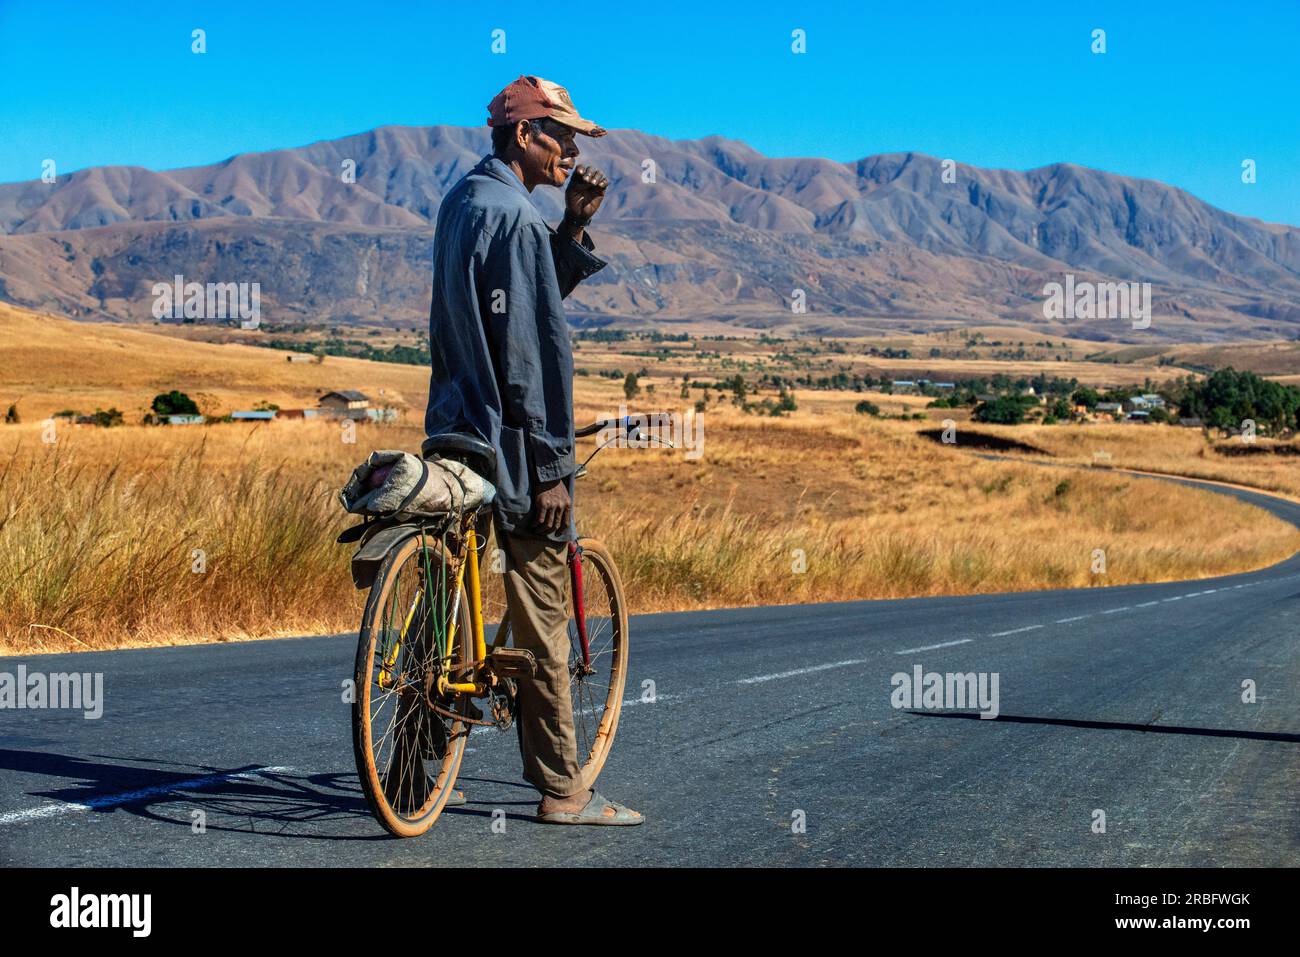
{"x": 398, "y": 485}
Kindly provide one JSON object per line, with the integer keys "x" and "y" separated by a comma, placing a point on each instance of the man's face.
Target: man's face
{"x": 550, "y": 153}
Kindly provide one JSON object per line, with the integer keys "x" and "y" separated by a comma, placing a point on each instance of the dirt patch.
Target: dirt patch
{"x": 1243, "y": 448}
{"x": 966, "y": 439}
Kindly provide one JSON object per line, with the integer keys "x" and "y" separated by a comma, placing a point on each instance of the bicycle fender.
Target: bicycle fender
{"x": 367, "y": 559}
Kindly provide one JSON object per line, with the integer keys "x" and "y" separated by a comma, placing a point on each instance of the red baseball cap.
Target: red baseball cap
{"x": 531, "y": 97}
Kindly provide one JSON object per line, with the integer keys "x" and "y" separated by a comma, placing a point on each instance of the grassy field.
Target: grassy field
{"x": 147, "y": 535}
{"x": 1176, "y": 451}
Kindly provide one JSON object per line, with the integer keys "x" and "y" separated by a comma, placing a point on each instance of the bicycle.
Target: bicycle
{"x": 423, "y": 658}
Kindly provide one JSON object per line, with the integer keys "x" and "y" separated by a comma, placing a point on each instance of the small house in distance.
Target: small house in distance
{"x": 1144, "y": 403}
{"x": 256, "y": 415}
{"x": 298, "y": 357}
{"x": 344, "y": 402}
{"x": 185, "y": 420}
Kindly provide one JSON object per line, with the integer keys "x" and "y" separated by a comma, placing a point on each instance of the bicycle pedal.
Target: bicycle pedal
{"x": 513, "y": 663}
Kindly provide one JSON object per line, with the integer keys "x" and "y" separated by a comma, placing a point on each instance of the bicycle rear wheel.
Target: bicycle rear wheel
{"x": 408, "y": 741}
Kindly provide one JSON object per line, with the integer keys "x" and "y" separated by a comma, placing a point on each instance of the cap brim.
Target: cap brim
{"x": 585, "y": 127}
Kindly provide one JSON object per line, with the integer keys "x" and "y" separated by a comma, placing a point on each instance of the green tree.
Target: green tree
{"x": 107, "y": 418}
{"x": 1086, "y": 397}
{"x": 174, "y": 403}
{"x": 1004, "y": 410}
{"x": 631, "y": 389}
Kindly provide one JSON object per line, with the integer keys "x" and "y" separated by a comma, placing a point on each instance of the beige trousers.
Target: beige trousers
{"x": 537, "y": 595}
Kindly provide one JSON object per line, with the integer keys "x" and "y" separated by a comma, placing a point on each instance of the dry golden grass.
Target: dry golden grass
{"x": 1162, "y": 448}
{"x": 99, "y": 530}
{"x": 53, "y": 364}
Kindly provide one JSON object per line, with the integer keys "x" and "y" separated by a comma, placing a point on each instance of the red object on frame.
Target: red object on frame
{"x": 579, "y": 612}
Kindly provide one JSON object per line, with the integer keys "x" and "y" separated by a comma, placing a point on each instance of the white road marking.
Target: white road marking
{"x": 942, "y": 644}
{"x": 806, "y": 671}
{"x": 1147, "y": 604}
{"x": 1062, "y": 621}
{"x": 1115, "y": 611}
{"x": 1014, "y": 631}
{"x": 113, "y": 800}
{"x": 1175, "y": 598}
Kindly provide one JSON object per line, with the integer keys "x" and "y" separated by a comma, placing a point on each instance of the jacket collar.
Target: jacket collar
{"x": 498, "y": 170}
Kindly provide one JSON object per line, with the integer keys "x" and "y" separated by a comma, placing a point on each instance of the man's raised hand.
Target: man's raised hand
{"x": 585, "y": 193}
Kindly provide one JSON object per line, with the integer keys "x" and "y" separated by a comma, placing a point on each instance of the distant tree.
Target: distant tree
{"x": 107, "y": 418}
{"x": 630, "y": 387}
{"x": 174, "y": 403}
{"x": 1004, "y": 410}
{"x": 1086, "y": 397}
{"x": 1227, "y": 398}
{"x": 866, "y": 407}
{"x": 11, "y": 415}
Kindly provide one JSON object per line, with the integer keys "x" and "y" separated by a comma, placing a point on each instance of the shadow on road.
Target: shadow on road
{"x": 283, "y": 803}
{"x": 1280, "y": 736}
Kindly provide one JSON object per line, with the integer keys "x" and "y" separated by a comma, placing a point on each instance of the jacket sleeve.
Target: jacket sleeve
{"x": 574, "y": 261}
{"x": 520, "y": 299}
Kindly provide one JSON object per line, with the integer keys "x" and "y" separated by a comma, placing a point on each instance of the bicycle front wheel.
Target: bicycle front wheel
{"x": 596, "y": 682}
{"x": 408, "y": 741}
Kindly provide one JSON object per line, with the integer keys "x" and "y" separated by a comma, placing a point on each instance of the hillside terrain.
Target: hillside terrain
{"x": 706, "y": 235}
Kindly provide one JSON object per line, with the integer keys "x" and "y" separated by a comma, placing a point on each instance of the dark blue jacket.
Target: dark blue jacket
{"x": 502, "y": 367}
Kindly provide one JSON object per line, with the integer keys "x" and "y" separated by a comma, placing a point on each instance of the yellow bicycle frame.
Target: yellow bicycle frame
{"x": 476, "y": 619}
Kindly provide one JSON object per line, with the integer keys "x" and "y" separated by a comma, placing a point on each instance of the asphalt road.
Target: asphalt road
{"x": 1124, "y": 700}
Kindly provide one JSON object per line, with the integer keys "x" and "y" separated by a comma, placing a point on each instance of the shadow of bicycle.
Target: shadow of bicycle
{"x": 254, "y": 799}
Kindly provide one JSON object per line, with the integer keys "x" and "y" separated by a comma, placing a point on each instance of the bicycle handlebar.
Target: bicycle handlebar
{"x": 625, "y": 423}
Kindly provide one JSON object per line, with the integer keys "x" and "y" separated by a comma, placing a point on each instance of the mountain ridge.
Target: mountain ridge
{"x": 886, "y": 239}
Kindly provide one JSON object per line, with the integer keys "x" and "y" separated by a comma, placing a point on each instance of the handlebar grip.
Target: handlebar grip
{"x": 597, "y": 426}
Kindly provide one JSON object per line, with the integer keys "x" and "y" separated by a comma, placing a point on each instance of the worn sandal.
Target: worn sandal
{"x": 594, "y": 813}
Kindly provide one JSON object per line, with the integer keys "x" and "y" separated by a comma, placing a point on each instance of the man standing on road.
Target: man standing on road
{"x": 503, "y": 373}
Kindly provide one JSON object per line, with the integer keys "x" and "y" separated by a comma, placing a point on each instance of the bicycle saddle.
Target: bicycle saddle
{"x": 455, "y": 444}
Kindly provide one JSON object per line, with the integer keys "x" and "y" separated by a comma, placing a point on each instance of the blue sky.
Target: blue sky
{"x": 1184, "y": 93}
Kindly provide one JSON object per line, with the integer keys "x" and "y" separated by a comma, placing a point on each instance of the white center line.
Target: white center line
{"x": 113, "y": 800}
{"x": 1062, "y": 621}
{"x": 1114, "y": 611}
{"x": 1146, "y": 604}
{"x": 1014, "y": 631}
{"x": 942, "y": 644}
{"x": 801, "y": 671}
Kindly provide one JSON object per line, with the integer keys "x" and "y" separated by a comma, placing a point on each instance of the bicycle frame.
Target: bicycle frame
{"x": 469, "y": 568}
{"x": 475, "y": 687}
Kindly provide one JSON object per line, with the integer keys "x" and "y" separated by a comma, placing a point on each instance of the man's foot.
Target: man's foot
{"x": 586, "y": 807}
